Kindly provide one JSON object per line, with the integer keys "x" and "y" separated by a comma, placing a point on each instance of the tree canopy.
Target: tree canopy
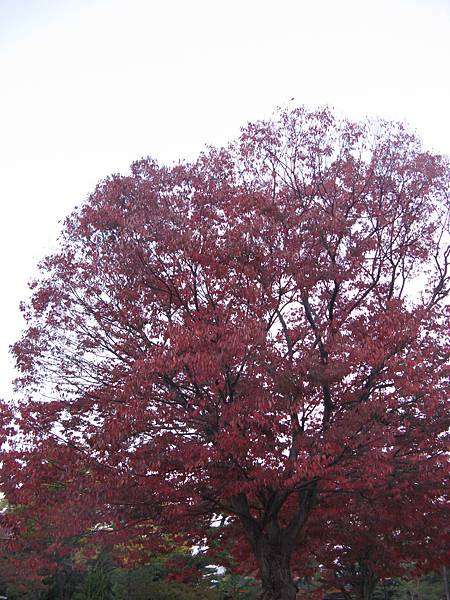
{"x": 259, "y": 336}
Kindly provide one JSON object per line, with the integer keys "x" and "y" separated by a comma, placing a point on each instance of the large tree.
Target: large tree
{"x": 243, "y": 337}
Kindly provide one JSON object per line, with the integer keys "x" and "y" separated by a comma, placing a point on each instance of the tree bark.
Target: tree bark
{"x": 276, "y": 577}
{"x": 272, "y": 544}
{"x": 445, "y": 579}
{"x": 368, "y": 586}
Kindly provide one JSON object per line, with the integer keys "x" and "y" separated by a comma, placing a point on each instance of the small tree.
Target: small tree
{"x": 97, "y": 583}
{"x": 382, "y": 537}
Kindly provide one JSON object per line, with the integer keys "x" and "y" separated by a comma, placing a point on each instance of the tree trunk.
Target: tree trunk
{"x": 276, "y": 577}
{"x": 272, "y": 544}
{"x": 445, "y": 578}
{"x": 368, "y": 587}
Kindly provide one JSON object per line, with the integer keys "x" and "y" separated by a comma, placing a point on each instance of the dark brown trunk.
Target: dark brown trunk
{"x": 368, "y": 589}
{"x": 276, "y": 577}
{"x": 445, "y": 580}
{"x": 272, "y": 544}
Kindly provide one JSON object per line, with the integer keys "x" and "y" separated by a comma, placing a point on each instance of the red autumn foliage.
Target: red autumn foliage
{"x": 247, "y": 335}
{"x": 381, "y": 536}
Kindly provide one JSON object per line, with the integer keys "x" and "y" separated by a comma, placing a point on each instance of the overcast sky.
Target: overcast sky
{"x": 88, "y": 86}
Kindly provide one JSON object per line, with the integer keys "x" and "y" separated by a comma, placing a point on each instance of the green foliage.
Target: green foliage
{"x": 429, "y": 587}
{"x": 231, "y": 587}
{"x": 148, "y": 582}
{"x": 164, "y": 590}
{"x": 95, "y": 587}
{"x": 98, "y": 582}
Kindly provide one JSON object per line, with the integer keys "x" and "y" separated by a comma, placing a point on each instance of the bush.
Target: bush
{"x": 163, "y": 590}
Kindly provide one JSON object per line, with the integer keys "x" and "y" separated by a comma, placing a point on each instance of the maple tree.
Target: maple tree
{"x": 245, "y": 336}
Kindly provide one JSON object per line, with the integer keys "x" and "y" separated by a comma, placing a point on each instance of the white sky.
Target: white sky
{"x": 86, "y": 87}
